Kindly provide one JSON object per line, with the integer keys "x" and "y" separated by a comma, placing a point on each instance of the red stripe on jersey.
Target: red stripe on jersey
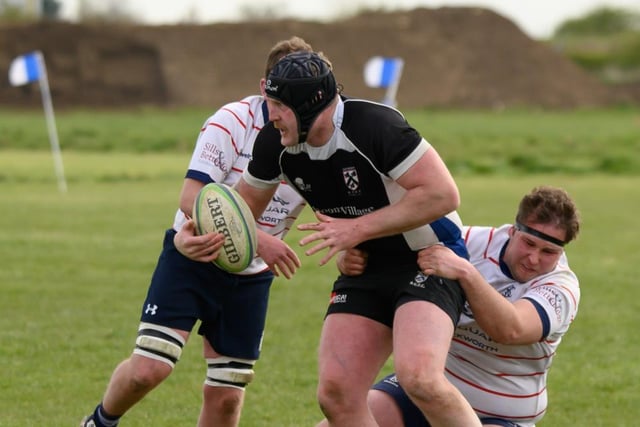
{"x": 489, "y": 239}
{"x": 486, "y": 390}
{"x": 251, "y": 114}
{"x": 219, "y": 126}
{"x": 502, "y": 356}
{"x": 486, "y": 249}
{"x": 466, "y": 236}
{"x": 510, "y": 417}
{"x": 281, "y": 232}
{"x": 243, "y": 124}
{"x": 265, "y": 224}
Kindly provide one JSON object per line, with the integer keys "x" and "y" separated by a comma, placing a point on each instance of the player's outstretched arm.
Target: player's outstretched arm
{"x": 277, "y": 255}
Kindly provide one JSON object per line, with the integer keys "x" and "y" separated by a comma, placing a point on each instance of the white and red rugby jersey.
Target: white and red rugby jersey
{"x": 509, "y": 381}
{"x": 223, "y": 150}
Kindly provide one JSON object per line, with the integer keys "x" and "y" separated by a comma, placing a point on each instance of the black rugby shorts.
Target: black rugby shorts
{"x": 378, "y": 295}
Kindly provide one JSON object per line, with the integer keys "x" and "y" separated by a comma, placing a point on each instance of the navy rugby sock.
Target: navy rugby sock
{"x": 102, "y": 419}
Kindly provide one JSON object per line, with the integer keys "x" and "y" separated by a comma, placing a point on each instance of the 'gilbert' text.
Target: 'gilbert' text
{"x": 221, "y": 225}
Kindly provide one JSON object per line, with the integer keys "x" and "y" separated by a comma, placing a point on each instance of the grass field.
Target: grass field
{"x": 75, "y": 267}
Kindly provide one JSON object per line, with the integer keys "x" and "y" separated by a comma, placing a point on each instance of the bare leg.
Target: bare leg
{"x": 353, "y": 349}
{"x": 132, "y": 379}
{"x": 422, "y": 335}
{"x": 221, "y": 406}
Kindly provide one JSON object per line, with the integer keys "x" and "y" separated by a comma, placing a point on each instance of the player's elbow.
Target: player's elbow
{"x": 506, "y": 337}
{"x": 509, "y": 335}
{"x": 453, "y": 198}
{"x": 447, "y": 199}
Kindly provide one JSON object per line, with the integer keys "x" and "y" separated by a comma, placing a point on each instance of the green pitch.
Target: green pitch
{"x": 74, "y": 269}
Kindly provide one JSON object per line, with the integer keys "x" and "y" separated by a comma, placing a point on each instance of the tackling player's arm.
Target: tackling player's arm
{"x": 505, "y": 322}
{"x": 352, "y": 262}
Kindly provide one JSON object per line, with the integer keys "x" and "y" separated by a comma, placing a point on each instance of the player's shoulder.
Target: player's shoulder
{"x": 268, "y": 141}
{"x": 484, "y": 241}
{"x": 249, "y": 111}
{"x": 562, "y": 275}
{"x": 373, "y": 121}
{"x": 484, "y": 233}
{"x": 357, "y": 107}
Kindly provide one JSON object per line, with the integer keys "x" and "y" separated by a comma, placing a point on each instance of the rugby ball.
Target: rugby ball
{"x": 219, "y": 208}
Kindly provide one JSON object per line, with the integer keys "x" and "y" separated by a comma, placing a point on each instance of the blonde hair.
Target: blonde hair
{"x": 283, "y": 48}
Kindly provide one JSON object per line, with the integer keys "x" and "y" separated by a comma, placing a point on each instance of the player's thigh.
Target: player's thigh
{"x": 353, "y": 348}
{"x": 422, "y": 334}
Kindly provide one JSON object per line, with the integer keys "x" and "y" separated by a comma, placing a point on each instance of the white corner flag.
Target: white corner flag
{"x": 29, "y": 68}
{"x": 385, "y": 73}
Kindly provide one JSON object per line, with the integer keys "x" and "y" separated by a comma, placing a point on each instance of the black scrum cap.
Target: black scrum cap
{"x": 303, "y": 81}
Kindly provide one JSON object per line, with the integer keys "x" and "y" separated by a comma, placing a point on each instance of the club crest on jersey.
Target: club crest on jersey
{"x": 351, "y": 180}
{"x": 299, "y": 182}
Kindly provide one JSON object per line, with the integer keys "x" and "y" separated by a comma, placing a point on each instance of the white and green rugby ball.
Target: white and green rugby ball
{"x": 219, "y": 208}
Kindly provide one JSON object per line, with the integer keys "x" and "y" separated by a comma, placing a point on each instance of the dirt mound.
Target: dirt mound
{"x": 86, "y": 66}
{"x": 454, "y": 57}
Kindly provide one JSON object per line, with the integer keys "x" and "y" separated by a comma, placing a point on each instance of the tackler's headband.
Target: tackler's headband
{"x": 539, "y": 234}
{"x": 302, "y": 81}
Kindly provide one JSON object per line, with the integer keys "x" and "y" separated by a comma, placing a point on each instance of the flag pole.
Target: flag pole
{"x": 392, "y": 90}
{"x": 51, "y": 123}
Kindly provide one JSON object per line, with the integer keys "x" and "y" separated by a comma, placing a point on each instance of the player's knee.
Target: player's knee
{"x": 425, "y": 387}
{"x": 144, "y": 373}
{"x": 226, "y": 401}
{"x": 229, "y": 372}
{"x": 332, "y": 397}
{"x": 159, "y": 343}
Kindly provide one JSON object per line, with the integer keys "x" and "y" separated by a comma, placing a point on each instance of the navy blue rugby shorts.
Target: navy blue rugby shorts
{"x": 377, "y": 294}
{"x": 411, "y": 415}
{"x": 232, "y": 308}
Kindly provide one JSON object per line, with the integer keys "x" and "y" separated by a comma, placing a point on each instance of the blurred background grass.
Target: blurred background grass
{"x": 471, "y": 142}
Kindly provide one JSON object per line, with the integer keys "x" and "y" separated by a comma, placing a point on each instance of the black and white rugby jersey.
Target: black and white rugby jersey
{"x": 355, "y": 172}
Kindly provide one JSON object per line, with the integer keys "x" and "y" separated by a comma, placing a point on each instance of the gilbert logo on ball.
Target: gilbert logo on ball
{"x": 219, "y": 208}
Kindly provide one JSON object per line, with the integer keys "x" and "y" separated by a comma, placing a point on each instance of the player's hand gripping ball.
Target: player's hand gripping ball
{"x": 219, "y": 208}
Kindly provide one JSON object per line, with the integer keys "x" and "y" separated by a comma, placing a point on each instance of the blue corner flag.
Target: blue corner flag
{"x": 384, "y": 73}
{"x": 25, "y": 69}
{"x": 29, "y": 68}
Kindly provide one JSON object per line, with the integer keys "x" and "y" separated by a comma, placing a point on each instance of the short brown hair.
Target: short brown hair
{"x": 550, "y": 205}
{"x": 283, "y": 48}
